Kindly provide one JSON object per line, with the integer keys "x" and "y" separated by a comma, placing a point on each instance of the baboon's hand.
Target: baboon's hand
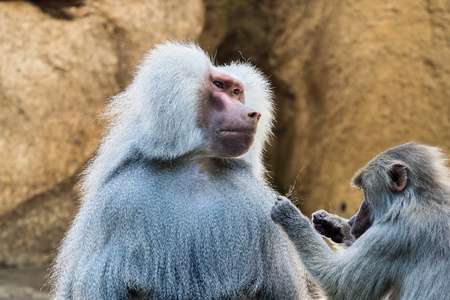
{"x": 285, "y": 213}
{"x": 333, "y": 227}
{"x": 325, "y": 223}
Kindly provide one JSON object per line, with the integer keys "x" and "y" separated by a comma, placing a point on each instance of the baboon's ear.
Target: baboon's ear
{"x": 398, "y": 177}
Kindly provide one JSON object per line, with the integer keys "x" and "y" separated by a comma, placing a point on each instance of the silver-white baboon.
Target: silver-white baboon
{"x": 402, "y": 231}
{"x": 174, "y": 203}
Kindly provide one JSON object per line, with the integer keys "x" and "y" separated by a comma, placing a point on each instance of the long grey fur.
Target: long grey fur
{"x": 154, "y": 223}
{"x": 405, "y": 254}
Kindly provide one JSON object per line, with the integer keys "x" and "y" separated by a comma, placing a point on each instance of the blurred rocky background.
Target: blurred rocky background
{"x": 351, "y": 78}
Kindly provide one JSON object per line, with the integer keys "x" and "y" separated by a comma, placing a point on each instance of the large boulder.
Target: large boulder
{"x": 60, "y": 62}
{"x": 359, "y": 77}
{"x": 58, "y": 67}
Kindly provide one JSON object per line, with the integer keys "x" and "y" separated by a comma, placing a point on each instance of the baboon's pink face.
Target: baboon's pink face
{"x": 229, "y": 124}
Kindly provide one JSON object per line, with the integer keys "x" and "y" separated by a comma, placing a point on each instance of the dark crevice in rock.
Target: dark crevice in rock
{"x": 58, "y": 9}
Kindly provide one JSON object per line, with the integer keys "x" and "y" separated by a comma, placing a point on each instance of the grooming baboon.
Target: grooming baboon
{"x": 174, "y": 204}
{"x": 402, "y": 248}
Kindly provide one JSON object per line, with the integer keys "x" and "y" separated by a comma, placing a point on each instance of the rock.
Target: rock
{"x": 56, "y": 75}
{"x": 24, "y": 284}
{"x": 60, "y": 63}
{"x": 362, "y": 76}
{"x": 31, "y": 233}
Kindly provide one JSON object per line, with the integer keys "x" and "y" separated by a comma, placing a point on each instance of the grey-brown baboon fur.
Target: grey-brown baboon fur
{"x": 165, "y": 213}
{"x": 405, "y": 253}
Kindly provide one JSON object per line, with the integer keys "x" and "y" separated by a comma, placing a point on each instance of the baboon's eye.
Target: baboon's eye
{"x": 236, "y": 91}
{"x": 218, "y": 84}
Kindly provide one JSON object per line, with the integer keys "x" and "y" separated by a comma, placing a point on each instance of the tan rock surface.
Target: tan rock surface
{"x": 57, "y": 73}
{"x": 365, "y": 76}
{"x": 24, "y": 284}
{"x": 30, "y": 233}
{"x": 60, "y": 63}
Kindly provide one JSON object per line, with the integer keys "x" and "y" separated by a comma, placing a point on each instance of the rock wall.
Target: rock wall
{"x": 364, "y": 76}
{"x": 352, "y": 78}
{"x": 60, "y": 62}
{"x": 59, "y": 66}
